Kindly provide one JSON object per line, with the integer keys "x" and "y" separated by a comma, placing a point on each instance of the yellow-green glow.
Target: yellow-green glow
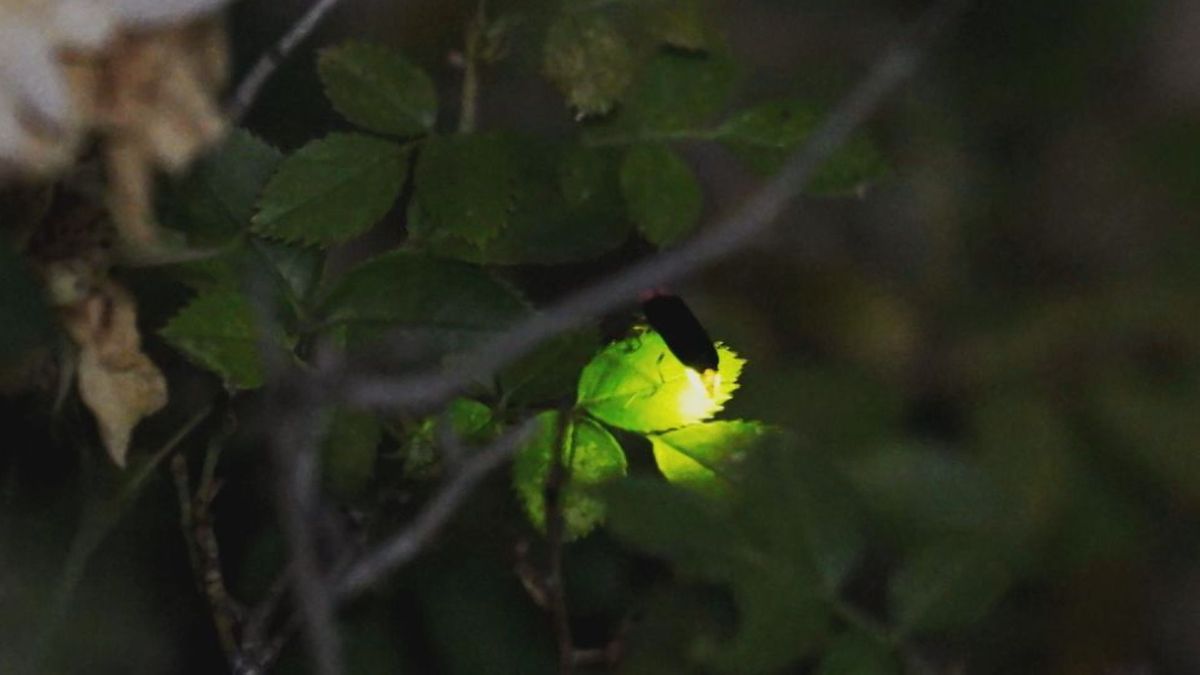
{"x": 639, "y": 385}
{"x": 695, "y": 400}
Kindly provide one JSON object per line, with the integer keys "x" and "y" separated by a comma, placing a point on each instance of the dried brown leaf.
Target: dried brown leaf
{"x": 116, "y": 380}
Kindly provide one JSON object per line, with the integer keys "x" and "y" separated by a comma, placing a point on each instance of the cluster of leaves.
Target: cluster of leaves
{"x": 476, "y": 203}
{"x": 639, "y": 386}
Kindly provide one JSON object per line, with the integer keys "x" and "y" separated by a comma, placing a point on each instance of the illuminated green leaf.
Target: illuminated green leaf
{"x": 591, "y": 456}
{"x": 331, "y": 189}
{"x": 766, "y": 136}
{"x": 588, "y": 60}
{"x": 661, "y": 193}
{"x": 441, "y": 304}
{"x": 699, "y": 455}
{"x": 637, "y": 384}
{"x": 219, "y": 331}
{"x": 378, "y": 89}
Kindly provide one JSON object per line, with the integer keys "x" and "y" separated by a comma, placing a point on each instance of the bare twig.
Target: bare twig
{"x": 405, "y": 545}
{"x": 262, "y": 70}
{"x": 361, "y": 385}
{"x": 196, "y": 520}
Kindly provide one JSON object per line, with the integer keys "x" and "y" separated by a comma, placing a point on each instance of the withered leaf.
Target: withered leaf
{"x": 116, "y": 380}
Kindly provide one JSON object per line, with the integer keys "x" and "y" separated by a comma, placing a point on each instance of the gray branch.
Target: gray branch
{"x": 262, "y": 70}
{"x": 408, "y": 543}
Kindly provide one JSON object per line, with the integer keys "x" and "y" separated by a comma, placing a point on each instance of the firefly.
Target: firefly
{"x": 685, "y": 336}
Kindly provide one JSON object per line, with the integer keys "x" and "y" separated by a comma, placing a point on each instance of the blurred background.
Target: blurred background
{"x": 999, "y": 340}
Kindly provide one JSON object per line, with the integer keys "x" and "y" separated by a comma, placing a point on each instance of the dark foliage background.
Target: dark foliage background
{"x": 999, "y": 342}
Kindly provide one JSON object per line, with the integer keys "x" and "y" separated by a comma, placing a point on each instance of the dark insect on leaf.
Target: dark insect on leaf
{"x": 682, "y": 331}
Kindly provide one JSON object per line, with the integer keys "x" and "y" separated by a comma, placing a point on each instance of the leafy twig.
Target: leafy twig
{"x": 360, "y": 383}
{"x": 262, "y": 70}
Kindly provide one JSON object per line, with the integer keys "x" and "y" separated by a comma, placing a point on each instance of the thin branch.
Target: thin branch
{"x": 361, "y": 385}
{"x": 295, "y": 456}
{"x": 262, "y": 70}
{"x": 195, "y": 514}
{"x": 258, "y": 621}
{"x": 408, "y": 543}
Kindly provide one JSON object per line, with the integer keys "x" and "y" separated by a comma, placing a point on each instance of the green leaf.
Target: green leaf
{"x": 766, "y": 136}
{"x": 675, "y": 93}
{"x": 294, "y": 271}
{"x": 591, "y": 456}
{"x": 637, "y": 384}
{"x": 797, "y": 505}
{"x": 586, "y": 57}
{"x": 471, "y": 421}
{"x": 855, "y": 653}
{"x": 551, "y": 372}
{"x": 780, "y": 622}
{"x": 215, "y": 200}
{"x": 218, "y": 331}
{"x": 678, "y": 23}
{"x": 378, "y": 89}
{"x": 332, "y": 189}
{"x": 349, "y": 451}
{"x": 700, "y": 455}
{"x": 780, "y": 617}
{"x": 445, "y": 304}
{"x": 679, "y": 525}
{"x": 465, "y": 186}
{"x": 921, "y": 492}
{"x": 25, "y": 319}
{"x": 568, "y": 207}
{"x": 946, "y": 585}
{"x": 661, "y": 193}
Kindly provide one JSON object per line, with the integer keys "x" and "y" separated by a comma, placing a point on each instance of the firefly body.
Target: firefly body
{"x": 682, "y": 331}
